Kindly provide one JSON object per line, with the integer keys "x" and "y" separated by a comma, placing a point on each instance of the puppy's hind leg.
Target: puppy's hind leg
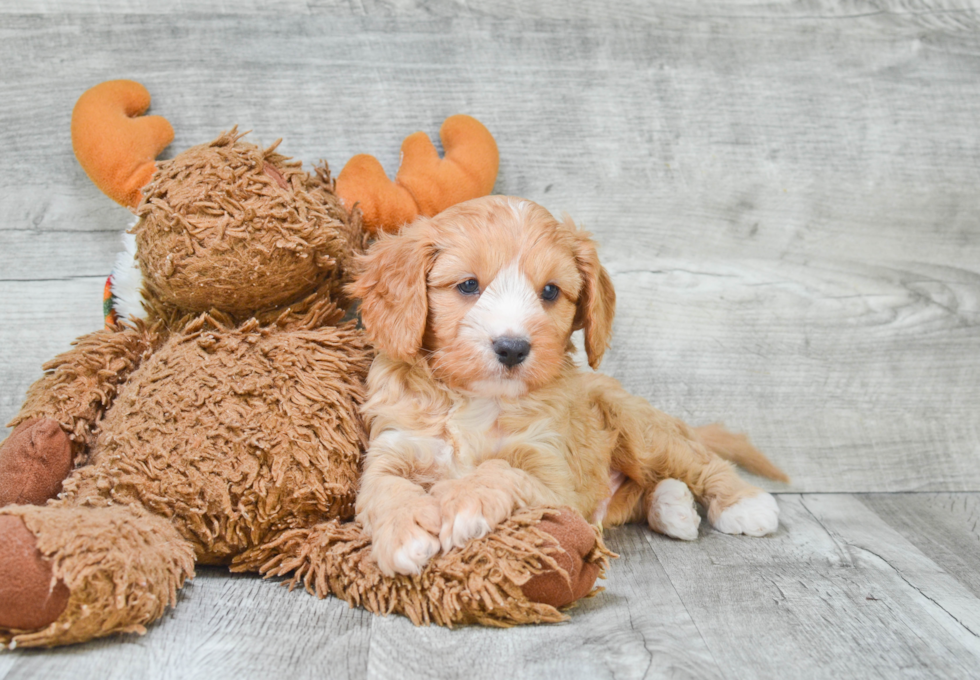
{"x": 734, "y": 505}
{"x": 654, "y": 447}
{"x": 668, "y": 508}
{"x": 684, "y": 464}
{"x": 753, "y": 516}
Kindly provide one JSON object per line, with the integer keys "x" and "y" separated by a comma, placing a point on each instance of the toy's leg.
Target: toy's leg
{"x": 30, "y": 596}
{"x": 76, "y": 573}
{"x": 34, "y": 460}
{"x": 531, "y": 564}
{"x": 580, "y": 557}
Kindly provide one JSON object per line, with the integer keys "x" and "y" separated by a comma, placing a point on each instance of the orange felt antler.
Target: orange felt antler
{"x": 114, "y": 143}
{"x": 425, "y": 184}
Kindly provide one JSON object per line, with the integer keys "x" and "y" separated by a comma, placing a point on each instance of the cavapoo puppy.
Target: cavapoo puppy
{"x": 476, "y": 406}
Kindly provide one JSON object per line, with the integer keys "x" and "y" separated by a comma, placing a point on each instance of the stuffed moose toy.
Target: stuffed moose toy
{"x": 215, "y": 420}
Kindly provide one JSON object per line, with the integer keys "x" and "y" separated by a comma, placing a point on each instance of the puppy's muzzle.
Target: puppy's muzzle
{"x": 511, "y": 351}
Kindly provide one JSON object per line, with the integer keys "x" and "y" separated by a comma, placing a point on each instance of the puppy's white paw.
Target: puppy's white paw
{"x": 469, "y": 510}
{"x": 466, "y": 526}
{"x": 672, "y": 511}
{"x": 754, "y": 516}
{"x": 405, "y": 542}
{"x": 415, "y": 553}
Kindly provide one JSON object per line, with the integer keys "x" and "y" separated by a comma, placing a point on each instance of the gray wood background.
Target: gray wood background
{"x": 786, "y": 194}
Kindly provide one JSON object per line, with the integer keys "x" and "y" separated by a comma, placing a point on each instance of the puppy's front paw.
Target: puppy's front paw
{"x": 753, "y": 516}
{"x": 403, "y": 544}
{"x": 672, "y": 511}
{"x": 469, "y": 511}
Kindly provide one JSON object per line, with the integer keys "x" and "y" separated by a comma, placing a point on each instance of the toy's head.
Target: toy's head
{"x": 225, "y": 226}
{"x": 233, "y": 227}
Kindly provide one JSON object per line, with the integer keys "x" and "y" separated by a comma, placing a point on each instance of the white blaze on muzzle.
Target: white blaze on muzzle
{"x": 506, "y": 307}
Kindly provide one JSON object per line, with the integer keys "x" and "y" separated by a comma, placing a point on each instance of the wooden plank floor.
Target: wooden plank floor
{"x": 851, "y": 586}
{"x": 786, "y": 197}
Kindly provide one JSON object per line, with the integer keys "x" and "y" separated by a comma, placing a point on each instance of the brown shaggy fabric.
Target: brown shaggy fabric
{"x": 479, "y": 583}
{"x": 79, "y": 384}
{"x": 217, "y": 232}
{"x": 579, "y": 540}
{"x": 233, "y": 432}
{"x": 122, "y": 565}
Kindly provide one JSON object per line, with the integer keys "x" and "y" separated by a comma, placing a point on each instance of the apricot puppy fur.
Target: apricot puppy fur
{"x": 476, "y": 407}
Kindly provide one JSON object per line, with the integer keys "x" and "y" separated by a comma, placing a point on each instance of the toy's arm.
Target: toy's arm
{"x": 537, "y": 561}
{"x": 114, "y": 143}
{"x": 425, "y": 184}
{"x": 80, "y": 384}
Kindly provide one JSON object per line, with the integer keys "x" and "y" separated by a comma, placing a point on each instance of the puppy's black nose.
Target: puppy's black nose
{"x": 511, "y": 351}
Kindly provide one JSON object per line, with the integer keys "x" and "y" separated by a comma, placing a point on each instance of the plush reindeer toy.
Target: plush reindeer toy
{"x": 217, "y": 420}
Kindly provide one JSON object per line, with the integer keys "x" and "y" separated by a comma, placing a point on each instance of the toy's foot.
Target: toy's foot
{"x": 29, "y": 598}
{"x": 672, "y": 511}
{"x": 753, "y": 516}
{"x": 577, "y": 538}
{"x": 34, "y": 460}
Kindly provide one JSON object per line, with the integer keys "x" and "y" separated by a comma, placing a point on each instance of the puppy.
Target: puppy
{"x": 475, "y": 406}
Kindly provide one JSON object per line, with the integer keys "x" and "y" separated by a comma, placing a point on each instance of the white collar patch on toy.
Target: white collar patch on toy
{"x": 127, "y": 282}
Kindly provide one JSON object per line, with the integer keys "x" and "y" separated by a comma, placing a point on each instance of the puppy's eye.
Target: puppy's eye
{"x": 469, "y": 287}
{"x": 550, "y": 292}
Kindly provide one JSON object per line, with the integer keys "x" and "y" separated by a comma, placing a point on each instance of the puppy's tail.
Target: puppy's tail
{"x": 738, "y": 449}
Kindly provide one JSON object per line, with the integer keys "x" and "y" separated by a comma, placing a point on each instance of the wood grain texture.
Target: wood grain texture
{"x": 637, "y": 628}
{"x": 27, "y": 255}
{"x": 946, "y": 527}
{"x": 784, "y": 193}
{"x": 223, "y": 627}
{"x": 176, "y": 7}
{"x": 937, "y": 593}
{"x": 851, "y": 375}
{"x": 942, "y": 14}
{"x": 836, "y": 593}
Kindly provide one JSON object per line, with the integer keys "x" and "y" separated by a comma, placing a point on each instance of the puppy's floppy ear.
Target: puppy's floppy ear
{"x": 392, "y": 286}
{"x": 596, "y": 301}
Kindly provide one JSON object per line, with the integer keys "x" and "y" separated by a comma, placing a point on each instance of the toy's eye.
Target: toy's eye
{"x": 550, "y": 292}
{"x": 469, "y": 287}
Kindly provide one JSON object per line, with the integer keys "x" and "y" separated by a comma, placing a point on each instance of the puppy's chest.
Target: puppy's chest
{"x": 478, "y": 429}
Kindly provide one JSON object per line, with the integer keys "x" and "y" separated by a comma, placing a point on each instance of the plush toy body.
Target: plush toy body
{"x": 219, "y": 421}
{"x": 224, "y": 427}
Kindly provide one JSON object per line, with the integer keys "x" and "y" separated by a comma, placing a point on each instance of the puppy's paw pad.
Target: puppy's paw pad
{"x": 672, "y": 511}
{"x": 464, "y": 527}
{"x": 414, "y": 554}
{"x": 753, "y": 516}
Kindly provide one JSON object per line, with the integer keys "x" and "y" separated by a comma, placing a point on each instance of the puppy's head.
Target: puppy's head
{"x": 489, "y": 293}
